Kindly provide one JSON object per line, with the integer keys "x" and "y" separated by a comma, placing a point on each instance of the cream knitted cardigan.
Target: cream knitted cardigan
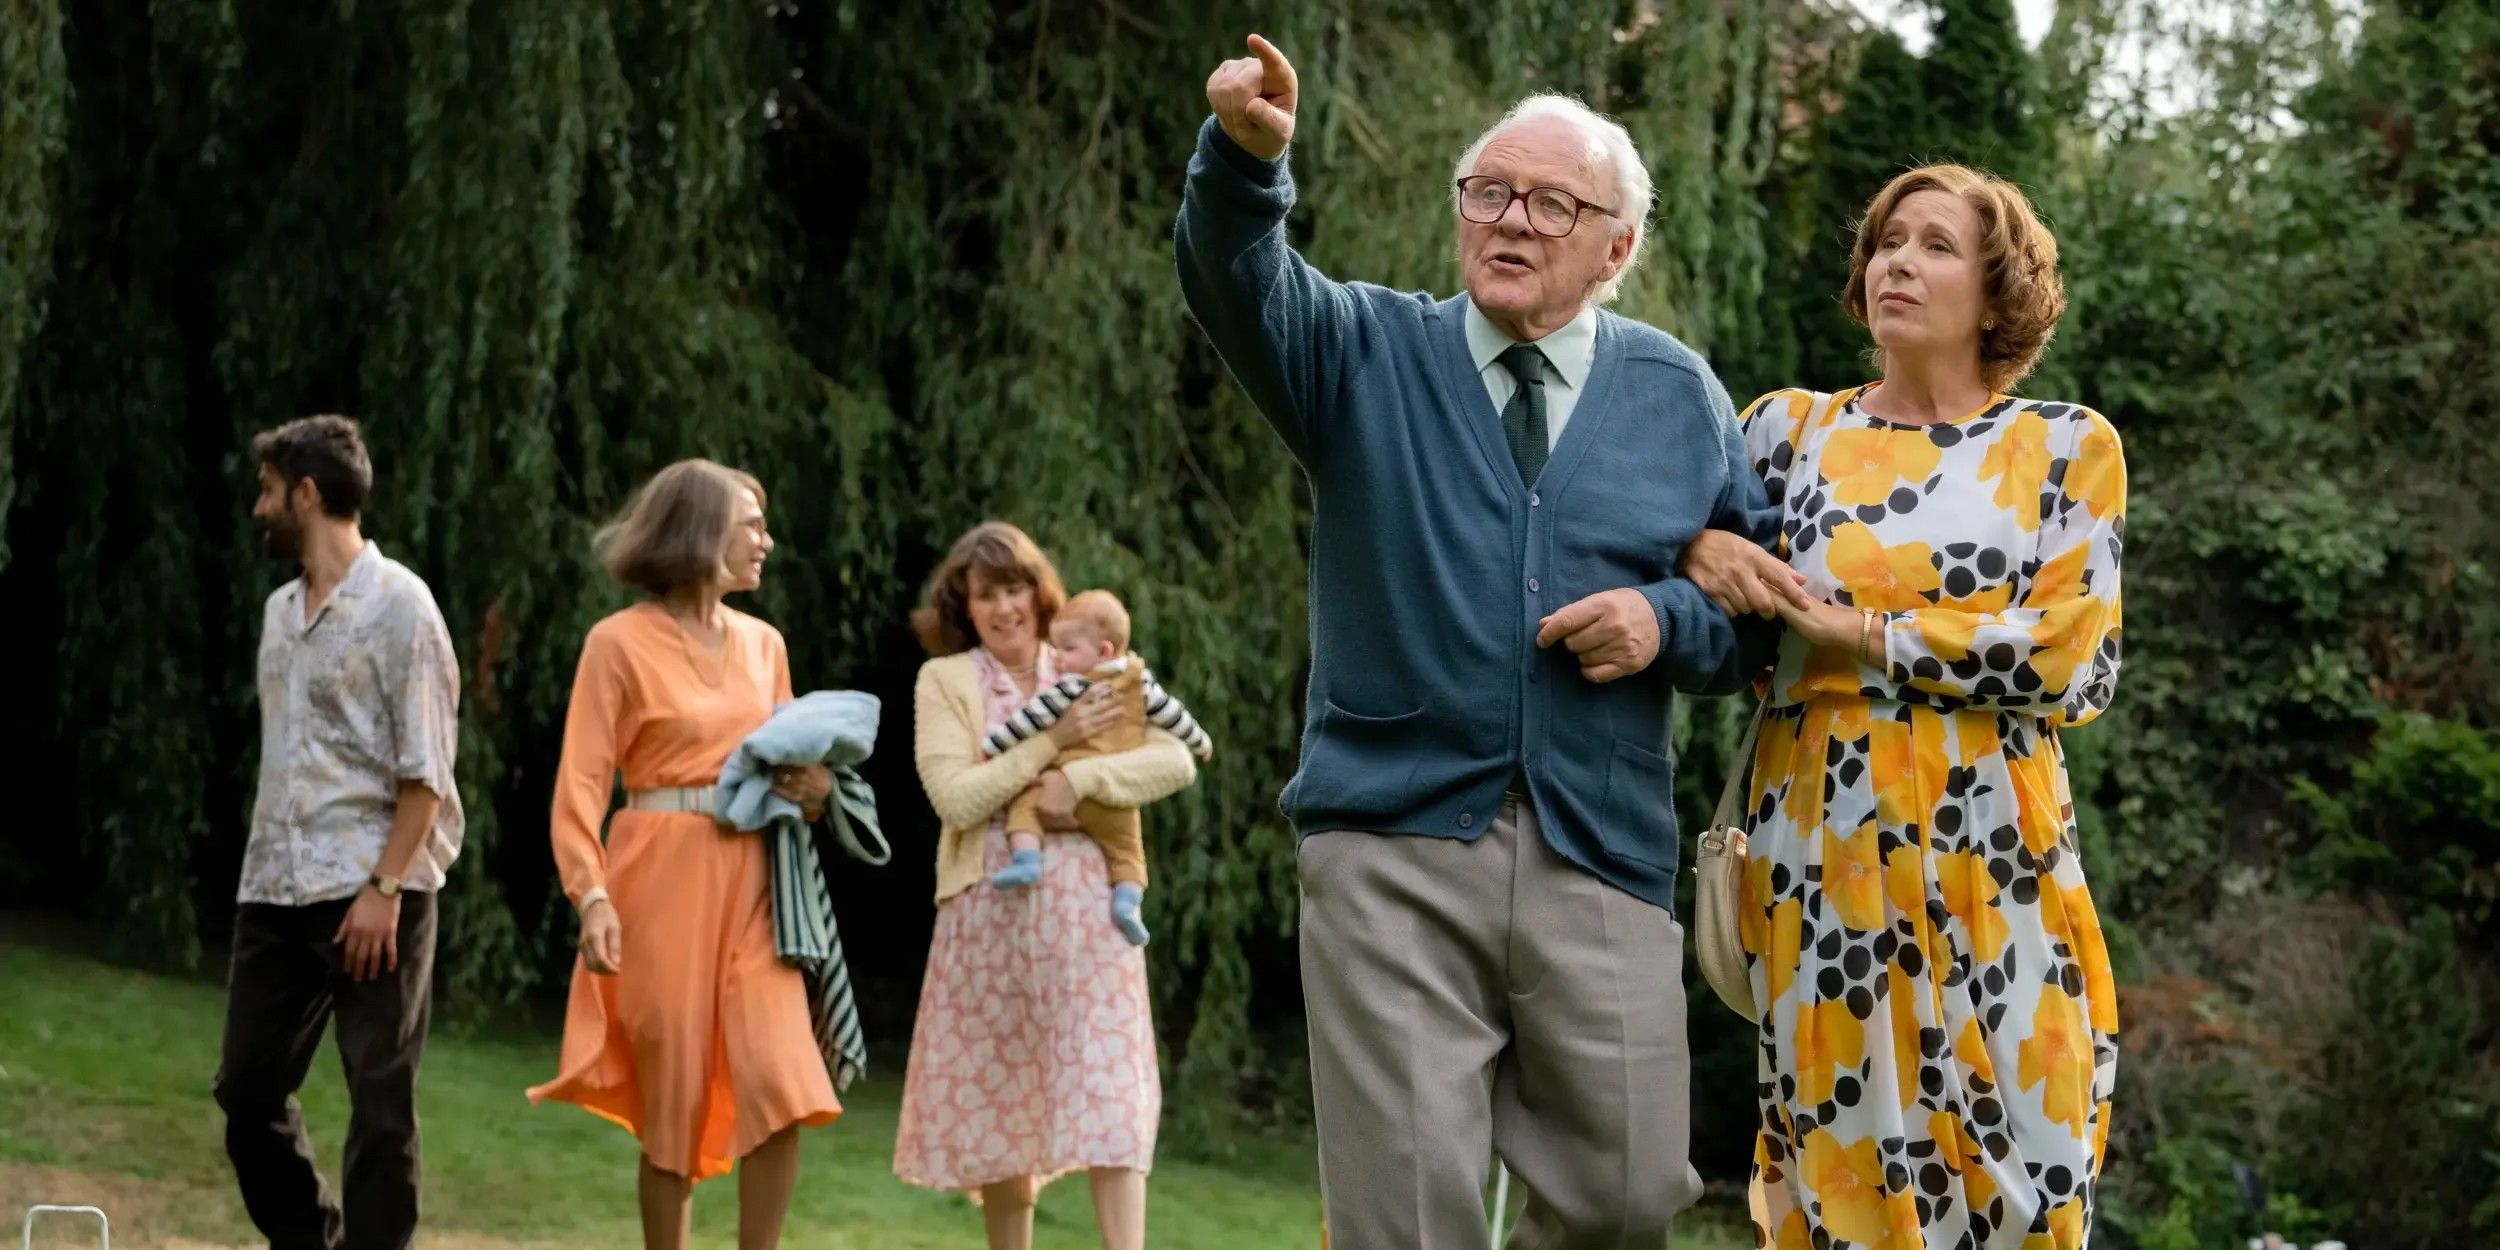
{"x": 948, "y": 720}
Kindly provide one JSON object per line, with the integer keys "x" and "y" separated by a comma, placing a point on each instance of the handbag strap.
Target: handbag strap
{"x": 1729, "y": 794}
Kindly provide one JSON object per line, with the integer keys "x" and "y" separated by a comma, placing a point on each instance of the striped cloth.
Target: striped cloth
{"x": 1163, "y": 711}
{"x": 838, "y": 729}
{"x": 803, "y": 928}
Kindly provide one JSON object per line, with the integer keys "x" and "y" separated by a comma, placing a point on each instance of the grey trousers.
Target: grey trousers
{"x": 1468, "y": 998}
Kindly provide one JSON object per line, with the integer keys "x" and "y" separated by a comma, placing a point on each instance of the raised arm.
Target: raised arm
{"x": 1280, "y": 325}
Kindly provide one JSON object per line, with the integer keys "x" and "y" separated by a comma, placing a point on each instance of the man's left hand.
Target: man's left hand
{"x": 1614, "y": 633}
{"x": 370, "y": 934}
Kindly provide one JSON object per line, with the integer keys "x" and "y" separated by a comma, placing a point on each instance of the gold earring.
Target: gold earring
{"x": 1989, "y": 324}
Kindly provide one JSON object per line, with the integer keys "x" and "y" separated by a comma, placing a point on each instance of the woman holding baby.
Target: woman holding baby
{"x": 1033, "y": 1055}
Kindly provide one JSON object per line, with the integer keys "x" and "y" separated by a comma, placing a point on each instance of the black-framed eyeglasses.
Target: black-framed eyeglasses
{"x": 1552, "y": 211}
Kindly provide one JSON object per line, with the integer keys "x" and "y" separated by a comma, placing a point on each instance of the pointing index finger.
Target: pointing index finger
{"x": 1279, "y": 71}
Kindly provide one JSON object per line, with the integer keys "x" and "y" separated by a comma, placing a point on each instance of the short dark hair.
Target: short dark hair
{"x": 676, "y": 529}
{"x": 326, "y": 449}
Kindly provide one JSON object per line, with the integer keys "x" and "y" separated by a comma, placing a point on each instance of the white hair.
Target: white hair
{"x": 1609, "y": 146}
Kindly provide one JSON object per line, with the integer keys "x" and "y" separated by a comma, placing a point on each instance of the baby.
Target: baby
{"x": 1089, "y": 639}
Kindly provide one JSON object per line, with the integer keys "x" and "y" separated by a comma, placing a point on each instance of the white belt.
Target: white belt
{"x": 695, "y": 799}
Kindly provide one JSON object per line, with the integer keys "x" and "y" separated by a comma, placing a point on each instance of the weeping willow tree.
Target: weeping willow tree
{"x": 34, "y": 89}
{"x": 912, "y": 265}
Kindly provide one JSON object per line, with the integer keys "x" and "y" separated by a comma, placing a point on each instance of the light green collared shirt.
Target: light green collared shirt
{"x": 1569, "y": 352}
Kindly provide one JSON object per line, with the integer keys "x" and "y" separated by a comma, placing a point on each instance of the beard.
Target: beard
{"x": 282, "y": 538}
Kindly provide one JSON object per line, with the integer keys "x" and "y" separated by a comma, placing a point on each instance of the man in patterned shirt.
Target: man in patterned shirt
{"x": 355, "y": 822}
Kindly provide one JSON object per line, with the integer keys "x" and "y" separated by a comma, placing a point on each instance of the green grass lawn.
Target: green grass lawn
{"x": 104, "y": 1096}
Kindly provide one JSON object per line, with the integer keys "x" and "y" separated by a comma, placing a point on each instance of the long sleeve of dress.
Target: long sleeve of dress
{"x": 2055, "y": 652}
{"x": 782, "y": 688}
{"x": 595, "y": 729}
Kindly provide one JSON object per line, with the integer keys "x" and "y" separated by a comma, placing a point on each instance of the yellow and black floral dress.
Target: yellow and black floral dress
{"x": 1939, "y": 1039}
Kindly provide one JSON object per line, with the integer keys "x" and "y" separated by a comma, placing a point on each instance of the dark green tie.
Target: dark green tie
{"x": 1523, "y": 418}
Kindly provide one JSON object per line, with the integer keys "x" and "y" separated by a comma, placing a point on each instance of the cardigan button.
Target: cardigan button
{"x": 1535, "y": 499}
{"x": 1532, "y": 586}
{"x": 1466, "y": 820}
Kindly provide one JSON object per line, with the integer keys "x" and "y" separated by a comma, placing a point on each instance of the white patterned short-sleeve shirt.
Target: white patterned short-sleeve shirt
{"x": 361, "y": 697}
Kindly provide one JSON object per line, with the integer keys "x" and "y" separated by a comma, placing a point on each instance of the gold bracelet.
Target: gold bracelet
{"x": 1866, "y": 633}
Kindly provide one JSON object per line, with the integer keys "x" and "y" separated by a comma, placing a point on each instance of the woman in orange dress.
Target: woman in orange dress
{"x": 683, "y": 1026}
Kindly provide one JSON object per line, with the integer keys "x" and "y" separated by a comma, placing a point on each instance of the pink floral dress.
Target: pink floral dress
{"x": 1034, "y": 1051}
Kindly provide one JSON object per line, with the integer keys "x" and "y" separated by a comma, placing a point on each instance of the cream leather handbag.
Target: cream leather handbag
{"x": 1719, "y": 887}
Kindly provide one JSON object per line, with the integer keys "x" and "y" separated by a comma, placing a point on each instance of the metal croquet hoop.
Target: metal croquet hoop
{"x": 103, "y": 1227}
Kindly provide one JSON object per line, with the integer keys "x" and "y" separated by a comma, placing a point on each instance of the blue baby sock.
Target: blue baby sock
{"x": 1125, "y": 898}
{"x": 1021, "y": 871}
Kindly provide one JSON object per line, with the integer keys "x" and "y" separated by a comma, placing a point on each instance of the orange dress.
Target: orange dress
{"x": 700, "y": 1045}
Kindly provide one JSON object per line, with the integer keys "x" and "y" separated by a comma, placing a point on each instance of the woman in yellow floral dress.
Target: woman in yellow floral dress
{"x": 1939, "y": 1033}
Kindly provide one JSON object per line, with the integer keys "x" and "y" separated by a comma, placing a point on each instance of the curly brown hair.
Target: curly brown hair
{"x": 1002, "y": 555}
{"x": 2025, "y": 295}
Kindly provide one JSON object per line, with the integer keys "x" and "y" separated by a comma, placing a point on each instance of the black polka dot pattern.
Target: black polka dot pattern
{"x": 1939, "y": 1046}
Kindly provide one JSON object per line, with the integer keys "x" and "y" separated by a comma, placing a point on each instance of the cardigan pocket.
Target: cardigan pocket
{"x": 1360, "y": 769}
{"x": 1637, "y": 819}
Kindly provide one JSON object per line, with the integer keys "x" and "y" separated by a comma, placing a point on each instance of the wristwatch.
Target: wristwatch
{"x": 384, "y": 884}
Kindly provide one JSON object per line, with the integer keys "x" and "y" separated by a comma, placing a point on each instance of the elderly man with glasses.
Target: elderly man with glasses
{"x": 1502, "y": 483}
